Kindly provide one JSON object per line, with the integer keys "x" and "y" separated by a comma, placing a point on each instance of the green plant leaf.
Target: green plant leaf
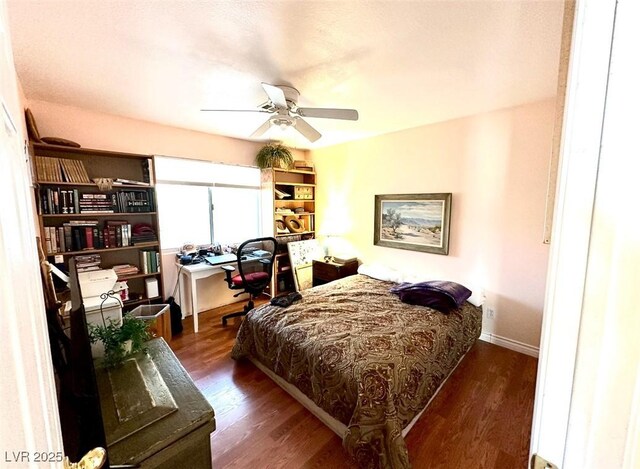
{"x": 274, "y": 155}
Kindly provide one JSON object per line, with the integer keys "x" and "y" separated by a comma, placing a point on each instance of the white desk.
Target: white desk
{"x": 195, "y": 272}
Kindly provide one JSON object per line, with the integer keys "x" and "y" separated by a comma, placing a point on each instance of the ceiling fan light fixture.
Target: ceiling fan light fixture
{"x": 283, "y": 122}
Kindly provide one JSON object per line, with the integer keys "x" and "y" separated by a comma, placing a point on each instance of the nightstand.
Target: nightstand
{"x": 325, "y": 272}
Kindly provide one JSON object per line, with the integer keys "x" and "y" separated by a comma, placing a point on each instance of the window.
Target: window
{"x": 184, "y": 214}
{"x": 235, "y": 213}
{"x": 204, "y": 203}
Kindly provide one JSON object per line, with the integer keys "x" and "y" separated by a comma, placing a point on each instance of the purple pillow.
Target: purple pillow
{"x": 437, "y": 294}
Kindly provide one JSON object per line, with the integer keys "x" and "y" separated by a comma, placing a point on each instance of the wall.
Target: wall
{"x": 108, "y": 132}
{"x": 496, "y": 167}
{"x": 28, "y": 402}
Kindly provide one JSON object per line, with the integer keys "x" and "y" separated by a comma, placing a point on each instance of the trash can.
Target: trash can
{"x": 159, "y": 319}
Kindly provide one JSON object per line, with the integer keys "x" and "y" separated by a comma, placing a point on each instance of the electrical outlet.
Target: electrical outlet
{"x": 491, "y": 313}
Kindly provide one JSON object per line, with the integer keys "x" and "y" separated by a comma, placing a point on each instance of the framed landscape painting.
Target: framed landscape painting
{"x": 419, "y": 222}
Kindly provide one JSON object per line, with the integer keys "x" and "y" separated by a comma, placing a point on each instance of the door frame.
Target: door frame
{"x": 584, "y": 111}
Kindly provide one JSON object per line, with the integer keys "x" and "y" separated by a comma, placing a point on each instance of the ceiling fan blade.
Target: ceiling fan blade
{"x": 234, "y": 110}
{"x": 305, "y": 129}
{"x": 328, "y": 113}
{"x": 276, "y": 95}
{"x": 262, "y": 129}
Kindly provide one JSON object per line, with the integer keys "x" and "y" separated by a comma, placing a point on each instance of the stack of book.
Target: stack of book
{"x": 87, "y": 263}
{"x": 149, "y": 262}
{"x": 125, "y": 270}
{"x": 95, "y": 203}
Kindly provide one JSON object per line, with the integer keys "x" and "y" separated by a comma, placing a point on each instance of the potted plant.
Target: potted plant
{"x": 120, "y": 341}
{"x": 274, "y": 155}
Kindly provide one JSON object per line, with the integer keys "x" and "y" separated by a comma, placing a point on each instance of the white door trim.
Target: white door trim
{"x": 579, "y": 158}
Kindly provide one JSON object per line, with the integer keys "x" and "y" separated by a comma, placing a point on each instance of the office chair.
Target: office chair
{"x": 255, "y": 267}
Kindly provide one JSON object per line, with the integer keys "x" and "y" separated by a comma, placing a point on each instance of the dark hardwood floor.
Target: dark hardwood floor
{"x": 481, "y": 418}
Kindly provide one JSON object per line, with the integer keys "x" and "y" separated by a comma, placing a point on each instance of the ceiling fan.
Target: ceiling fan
{"x": 283, "y": 105}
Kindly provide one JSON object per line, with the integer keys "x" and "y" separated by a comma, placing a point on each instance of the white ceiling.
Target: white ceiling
{"x": 401, "y": 64}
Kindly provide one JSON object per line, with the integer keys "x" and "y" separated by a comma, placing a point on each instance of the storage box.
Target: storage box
{"x": 96, "y": 282}
{"x": 151, "y": 287}
{"x": 303, "y": 165}
{"x": 159, "y": 319}
{"x": 303, "y": 193}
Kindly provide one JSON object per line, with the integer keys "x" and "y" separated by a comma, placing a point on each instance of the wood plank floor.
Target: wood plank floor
{"x": 481, "y": 418}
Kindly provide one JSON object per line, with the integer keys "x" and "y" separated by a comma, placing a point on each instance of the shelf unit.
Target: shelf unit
{"x": 300, "y": 186}
{"x": 53, "y": 196}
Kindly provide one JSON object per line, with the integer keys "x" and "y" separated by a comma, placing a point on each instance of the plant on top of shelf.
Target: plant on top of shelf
{"x": 274, "y": 155}
{"x": 120, "y": 341}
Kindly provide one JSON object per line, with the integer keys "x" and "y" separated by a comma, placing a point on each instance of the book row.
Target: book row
{"x": 79, "y": 235}
{"x": 55, "y": 201}
{"x": 149, "y": 261}
{"x": 60, "y": 170}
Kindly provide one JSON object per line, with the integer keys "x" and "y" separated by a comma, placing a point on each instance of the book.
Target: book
{"x": 61, "y": 240}
{"x": 68, "y": 239}
{"x": 77, "y": 238}
{"x": 125, "y": 270}
{"x": 130, "y": 182}
{"x": 280, "y": 194}
{"x": 54, "y": 239}
{"x": 143, "y": 262}
{"x": 76, "y": 200}
{"x": 88, "y": 235}
{"x": 47, "y": 239}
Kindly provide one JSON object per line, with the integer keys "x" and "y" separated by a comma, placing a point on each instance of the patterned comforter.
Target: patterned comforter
{"x": 367, "y": 359}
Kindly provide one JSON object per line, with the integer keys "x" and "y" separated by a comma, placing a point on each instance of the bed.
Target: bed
{"x": 364, "y": 362}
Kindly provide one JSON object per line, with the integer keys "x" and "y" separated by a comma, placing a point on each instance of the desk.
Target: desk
{"x": 195, "y": 272}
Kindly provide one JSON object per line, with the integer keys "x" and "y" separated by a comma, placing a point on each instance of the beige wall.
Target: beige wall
{"x": 108, "y": 132}
{"x": 495, "y": 165}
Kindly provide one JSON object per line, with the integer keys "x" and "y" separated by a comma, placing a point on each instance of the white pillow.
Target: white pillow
{"x": 477, "y": 297}
{"x": 380, "y": 272}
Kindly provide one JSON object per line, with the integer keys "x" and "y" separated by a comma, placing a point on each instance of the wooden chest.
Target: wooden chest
{"x": 153, "y": 414}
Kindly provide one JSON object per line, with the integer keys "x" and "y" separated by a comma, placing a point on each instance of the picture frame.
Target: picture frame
{"x": 417, "y": 222}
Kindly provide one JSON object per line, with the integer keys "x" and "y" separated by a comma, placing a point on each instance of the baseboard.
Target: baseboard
{"x": 510, "y": 344}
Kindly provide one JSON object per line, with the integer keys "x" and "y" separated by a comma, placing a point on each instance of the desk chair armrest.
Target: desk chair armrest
{"x": 228, "y": 269}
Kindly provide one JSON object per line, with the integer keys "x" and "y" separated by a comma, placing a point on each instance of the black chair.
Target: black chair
{"x": 255, "y": 268}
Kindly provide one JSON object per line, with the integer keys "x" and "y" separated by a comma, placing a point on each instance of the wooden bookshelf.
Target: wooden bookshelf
{"x": 67, "y": 198}
{"x": 292, "y": 182}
